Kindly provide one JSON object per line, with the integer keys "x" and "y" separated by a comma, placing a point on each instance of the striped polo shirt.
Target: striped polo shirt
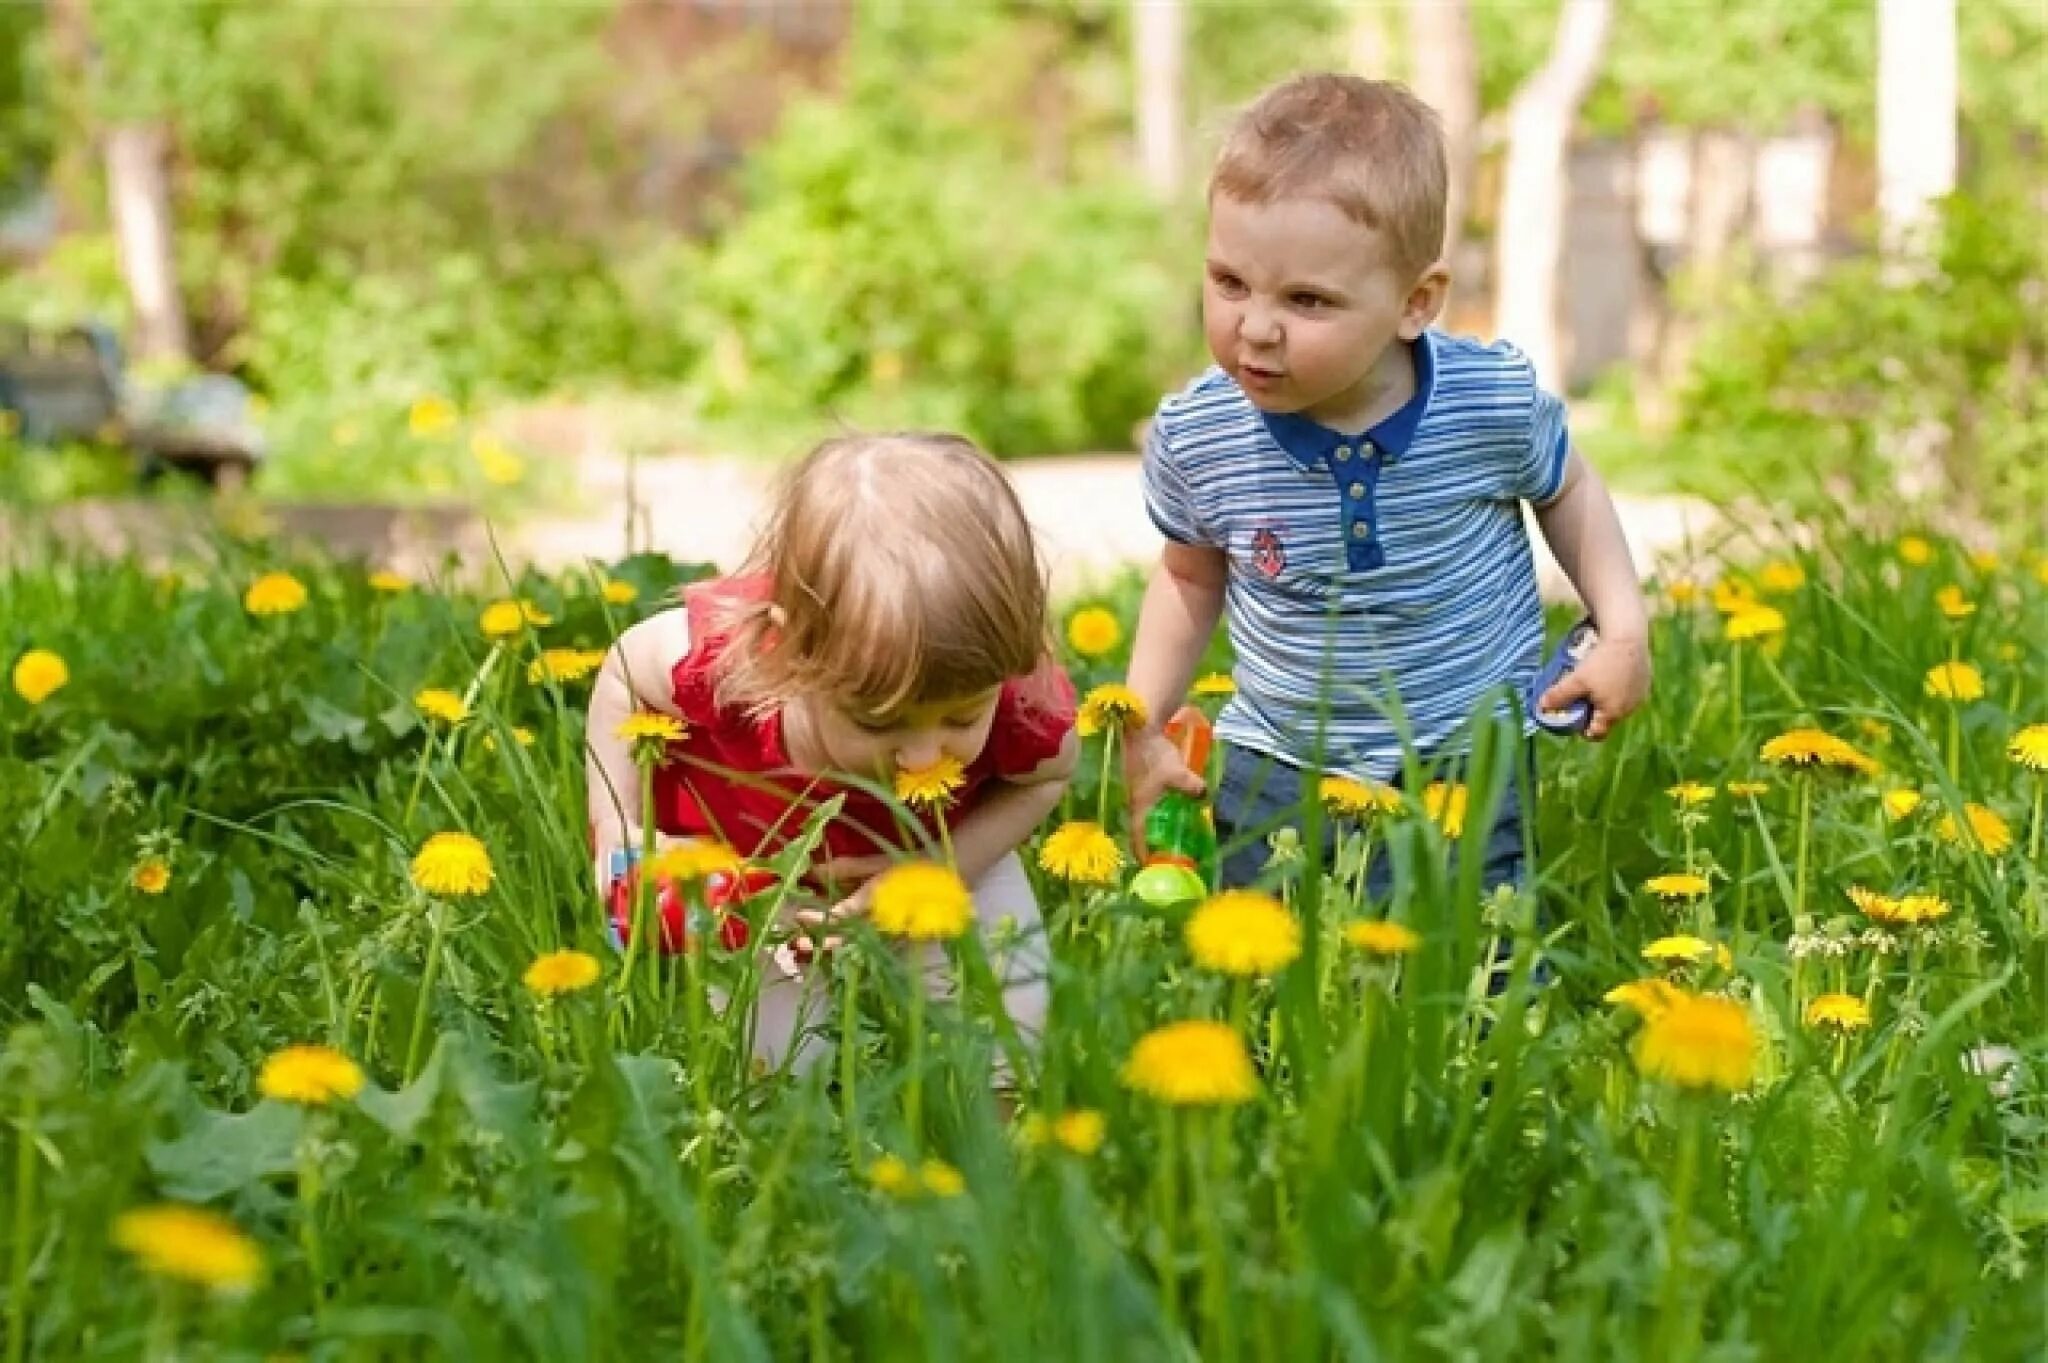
{"x": 1396, "y": 563}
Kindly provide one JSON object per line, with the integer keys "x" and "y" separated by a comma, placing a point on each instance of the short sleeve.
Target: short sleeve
{"x": 1539, "y": 471}
{"x": 1169, "y": 501}
{"x": 1033, "y": 716}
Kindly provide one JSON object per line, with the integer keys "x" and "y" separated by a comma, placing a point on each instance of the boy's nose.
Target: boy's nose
{"x": 1258, "y": 326}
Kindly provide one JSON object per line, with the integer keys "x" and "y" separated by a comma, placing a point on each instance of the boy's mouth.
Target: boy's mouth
{"x": 1260, "y": 375}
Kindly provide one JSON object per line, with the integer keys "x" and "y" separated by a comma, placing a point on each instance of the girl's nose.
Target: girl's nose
{"x": 915, "y": 754}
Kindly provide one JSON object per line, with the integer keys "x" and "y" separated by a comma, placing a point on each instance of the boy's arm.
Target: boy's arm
{"x": 1584, "y": 533}
{"x": 635, "y": 676}
{"x": 1183, "y": 602}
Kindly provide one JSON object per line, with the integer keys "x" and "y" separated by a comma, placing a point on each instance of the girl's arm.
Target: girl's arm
{"x": 635, "y": 676}
{"x": 1011, "y": 811}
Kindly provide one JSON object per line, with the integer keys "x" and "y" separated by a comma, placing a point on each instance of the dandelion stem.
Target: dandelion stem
{"x": 849, "y": 1033}
{"x": 2034, "y": 829}
{"x": 1673, "y": 1330}
{"x": 438, "y": 915}
{"x": 1108, "y": 764}
{"x": 913, "y": 1104}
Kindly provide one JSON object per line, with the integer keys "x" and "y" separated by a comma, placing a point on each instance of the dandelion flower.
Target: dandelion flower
{"x": 503, "y": 619}
{"x": 690, "y": 860}
{"x": 1900, "y": 802}
{"x": 1349, "y": 799}
{"x": 1192, "y": 1064}
{"x": 500, "y": 466}
{"x": 564, "y": 665}
{"x": 2029, "y": 748}
{"x": 40, "y": 674}
{"x": 1682, "y": 591}
{"x": 274, "y": 594}
{"x": 1080, "y": 852}
{"x": 1214, "y": 684}
{"x": 1985, "y": 561}
{"x": 1678, "y": 885}
{"x": 940, "y": 1179}
{"x": 1110, "y": 705}
{"x": 561, "y": 972}
{"x": 1445, "y": 806}
{"x": 1951, "y": 602}
{"x": 649, "y": 733}
{"x": 1733, "y": 595}
{"x": 1957, "y": 682}
{"x": 1816, "y": 748}
{"x": 311, "y": 1075}
{"x": 1093, "y": 632}
{"x": 1754, "y": 622}
{"x": 1241, "y": 932}
{"x": 1080, "y": 1131}
{"x": 1642, "y": 997}
{"x": 1686, "y": 949}
{"x": 1781, "y": 576}
{"x": 389, "y": 583}
{"x": 1915, "y": 550}
{"x": 1986, "y": 829}
{"x": 1699, "y": 1041}
{"x": 190, "y": 1244}
{"x": 1382, "y": 937}
{"x": 151, "y": 875}
{"x": 452, "y": 865}
{"x": 892, "y": 1176}
{"x": 1748, "y": 790}
{"x": 1690, "y": 794}
{"x": 931, "y": 787}
{"x": 1921, "y": 908}
{"x": 1842, "y": 1012}
{"x": 922, "y": 901}
{"x": 440, "y": 704}
{"x": 430, "y": 416}
{"x": 618, "y": 592}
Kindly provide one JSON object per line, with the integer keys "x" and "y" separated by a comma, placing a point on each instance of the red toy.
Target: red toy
{"x": 725, "y": 895}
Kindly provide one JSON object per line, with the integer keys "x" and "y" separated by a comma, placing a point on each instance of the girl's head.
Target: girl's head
{"x": 905, "y": 590}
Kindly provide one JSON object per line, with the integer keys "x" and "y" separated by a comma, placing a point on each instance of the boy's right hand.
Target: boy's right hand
{"x": 1153, "y": 766}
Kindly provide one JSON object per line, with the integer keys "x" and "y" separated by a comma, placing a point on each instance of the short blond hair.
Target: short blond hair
{"x": 1369, "y": 147}
{"x": 903, "y": 572}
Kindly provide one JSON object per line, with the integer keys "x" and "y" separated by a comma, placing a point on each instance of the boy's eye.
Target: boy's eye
{"x": 1228, "y": 283}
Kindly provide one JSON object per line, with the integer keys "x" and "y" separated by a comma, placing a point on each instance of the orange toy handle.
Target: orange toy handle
{"x": 1190, "y": 734}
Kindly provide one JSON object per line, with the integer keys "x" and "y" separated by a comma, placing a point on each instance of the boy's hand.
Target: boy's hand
{"x": 1153, "y": 766}
{"x": 1615, "y": 677}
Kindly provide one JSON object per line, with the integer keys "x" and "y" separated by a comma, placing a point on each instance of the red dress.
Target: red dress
{"x": 730, "y": 776}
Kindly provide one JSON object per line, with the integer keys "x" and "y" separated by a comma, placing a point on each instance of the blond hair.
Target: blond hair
{"x": 1369, "y": 147}
{"x": 902, "y": 572}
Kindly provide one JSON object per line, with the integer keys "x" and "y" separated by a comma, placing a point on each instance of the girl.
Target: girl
{"x": 892, "y": 616}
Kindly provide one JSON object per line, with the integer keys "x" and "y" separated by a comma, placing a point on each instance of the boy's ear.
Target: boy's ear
{"x": 1426, "y": 298}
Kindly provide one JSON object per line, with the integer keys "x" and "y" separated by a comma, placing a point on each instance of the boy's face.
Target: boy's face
{"x": 1302, "y": 305}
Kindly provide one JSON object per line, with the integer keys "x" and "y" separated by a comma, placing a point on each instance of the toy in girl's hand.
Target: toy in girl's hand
{"x": 1180, "y": 837}
{"x": 725, "y": 897}
{"x": 1570, "y": 652}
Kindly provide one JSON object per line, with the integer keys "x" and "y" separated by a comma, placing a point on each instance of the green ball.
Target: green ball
{"x": 1166, "y": 886}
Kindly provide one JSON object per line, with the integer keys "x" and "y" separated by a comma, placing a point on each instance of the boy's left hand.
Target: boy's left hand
{"x": 1614, "y": 677}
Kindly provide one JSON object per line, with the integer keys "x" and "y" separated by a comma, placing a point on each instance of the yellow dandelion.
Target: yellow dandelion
{"x": 1748, "y": 790}
{"x": 1110, "y": 705}
{"x": 649, "y": 733}
{"x": 1192, "y": 1064}
{"x": 1951, "y": 602}
{"x": 274, "y": 594}
{"x": 452, "y": 865}
{"x": 1686, "y": 949}
{"x": 1093, "y": 632}
{"x": 310, "y": 1075}
{"x": 499, "y": 465}
{"x": 1214, "y": 684}
{"x": 561, "y": 972}
{"x": 1699, "y": 1041}
{"x": 2029, "y": 748}
{"x": 1985, "y": 561}
{"x": 1733, "y": 594}
{"x": 440, "y": 704}
{"x": 40, "y": 674}
{"x": 940, "y": 1179}
{"x": 1382, "y": 937}
{"x": 618, "y": 592}
{"x": 1841, "y": 1012}
{"x": 1445, "y": 806}
{"x": 388, "y": 582}
{"x": 1690, "y": 794}
{"x": 1816, "y": 748}
{"x": 1241, "y": 932}
{"x": 931, "y": 787}
{"x": 1678, "y": 885}
{"x": 564, "y": 665}
{"x": 151, "y": 875}
{"x": 892, "y": 1176}
{"x": 1752, "y": 623}
{"x": 1958, "y": 682}
{"x": 1921, "y": 908}
{"x": 922, "y": 901}
{"x": 192, "y": 1245}
{"x": 1900, "y": 802}
{"x": 690, "y": 860}
{"x": 1081, "y": 1131}
{"x": 1682, "y": 592}
{"x": 1642, "y": 997}
{"x": 1781, "y": 577}
{"x": 503, "y": 619}
{"x": 1081, "y": 852}
{"x": 1875, "y": 729}
{"x": 1915, "y": 550}
{"x": 1349, "y": 799}
{"x": 431, "y": 416}
{"x": 1987, "y": 830}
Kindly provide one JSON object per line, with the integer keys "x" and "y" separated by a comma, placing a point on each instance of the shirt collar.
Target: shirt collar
{"x": 1309, "y": 443}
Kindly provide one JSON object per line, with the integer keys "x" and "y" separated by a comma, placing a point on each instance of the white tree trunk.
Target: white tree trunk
{"x": 1527, "y": 251}
{"x": 1158, "y": 48}
{"x": 139, "y": 197}
{"x": 1445, "y": 59}
{"x": 1916, "y": 116}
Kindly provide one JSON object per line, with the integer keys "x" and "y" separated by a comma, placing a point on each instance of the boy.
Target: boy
{"x": 1346, "y": 484}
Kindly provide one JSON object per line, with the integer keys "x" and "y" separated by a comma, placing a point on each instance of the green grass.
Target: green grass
{"x": 1425, "y": 1173}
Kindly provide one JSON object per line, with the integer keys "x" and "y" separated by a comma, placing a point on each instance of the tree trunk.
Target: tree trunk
{"x": 140, "y": 198}
{"x": 1531, "y": 231}
{"x": 1374, "y": 52}
{"x": 1445, "y": 59}
{"x": 1158, "y": 47}
{"x": 1916, "y": 116}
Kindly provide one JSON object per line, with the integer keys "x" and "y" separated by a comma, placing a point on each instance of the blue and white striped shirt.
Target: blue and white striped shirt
{"x": 1395, "y": 565}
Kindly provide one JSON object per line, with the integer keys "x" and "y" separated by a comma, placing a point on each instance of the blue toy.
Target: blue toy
{"x": 1569, "y": 653}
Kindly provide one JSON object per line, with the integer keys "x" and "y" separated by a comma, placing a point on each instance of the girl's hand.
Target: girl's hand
{"x": 1615, "y": 677}
{"x": 816, "y": 924}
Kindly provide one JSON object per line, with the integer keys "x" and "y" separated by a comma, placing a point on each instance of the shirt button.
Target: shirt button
{"x": 1357, "y": 490}
{"x": 1343, "y": 453}
{"x": 1360, "y": 530}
